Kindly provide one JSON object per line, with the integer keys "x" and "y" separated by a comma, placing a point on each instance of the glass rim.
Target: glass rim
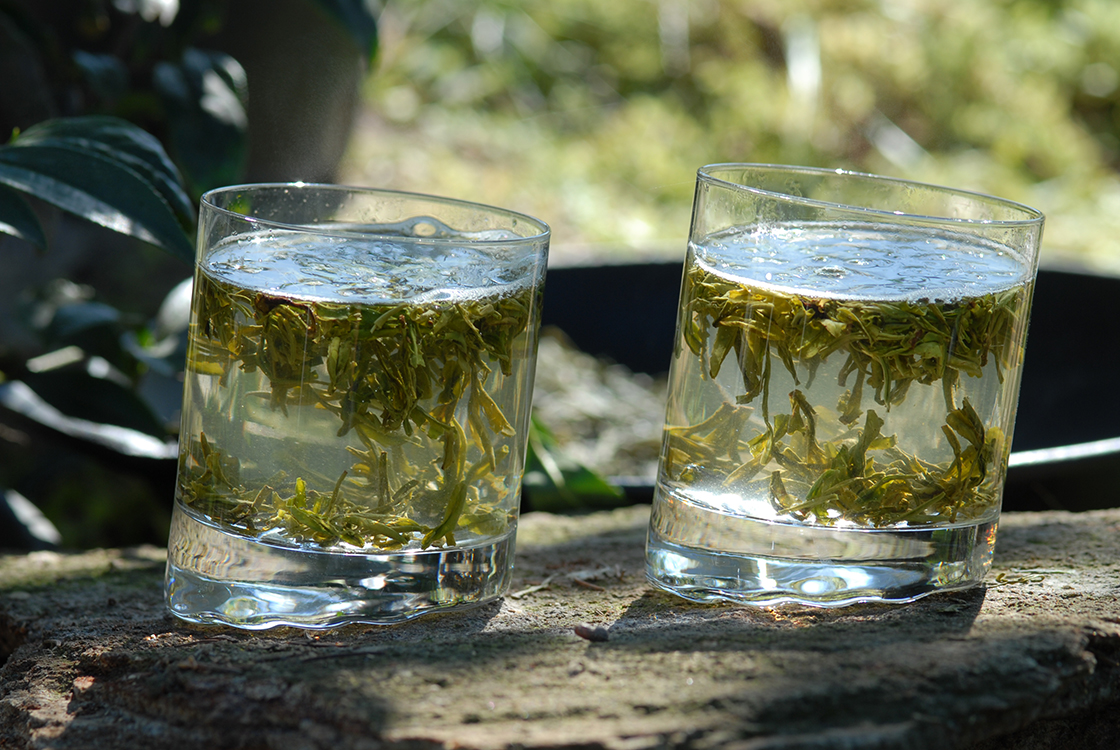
{"x": 1032, "y": 216}
{"x": 543, "y": 230}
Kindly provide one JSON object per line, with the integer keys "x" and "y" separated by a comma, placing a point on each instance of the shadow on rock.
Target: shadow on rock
{"x": 660, "y": 621}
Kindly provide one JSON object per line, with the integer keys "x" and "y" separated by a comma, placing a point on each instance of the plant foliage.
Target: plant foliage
{"x": 118, "y": 112}
{"x": 598, "y": 114}
{"x": 102, "y": 169}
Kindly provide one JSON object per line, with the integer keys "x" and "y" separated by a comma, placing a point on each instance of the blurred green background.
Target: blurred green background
{"x": 595, "y": 115}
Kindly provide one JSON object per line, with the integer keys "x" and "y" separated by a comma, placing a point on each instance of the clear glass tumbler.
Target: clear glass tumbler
{"x": 358, "y": 388}
{"x": 843, "y": 388}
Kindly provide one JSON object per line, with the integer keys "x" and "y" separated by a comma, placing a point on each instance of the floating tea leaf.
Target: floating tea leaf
{"x": 820, "y": 465}
{"x": 400, "y": 379}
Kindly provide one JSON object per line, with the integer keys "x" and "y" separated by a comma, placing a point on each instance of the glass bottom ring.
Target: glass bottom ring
{"x": 215, "y": 577}
{"x": 705, "y": 556}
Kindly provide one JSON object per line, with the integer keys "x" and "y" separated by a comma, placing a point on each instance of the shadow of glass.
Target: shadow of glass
{"x": 660, "y": 621}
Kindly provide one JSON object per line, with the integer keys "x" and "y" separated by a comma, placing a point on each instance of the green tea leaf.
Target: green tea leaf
{"x": 398, "y": 378}
{"x": 841, "y": 471}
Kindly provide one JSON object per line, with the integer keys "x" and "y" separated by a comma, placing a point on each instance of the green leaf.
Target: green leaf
{"x": 96, "y": 188}
{"x": 19, "y": 220}
{"x": 106, "y": 75}
{"x": 122, "y": 142}
{"x": 97, "y": 329}
{"x": 556, "y": 483}
{"x": 357, "y": 17}
{"x": 71, "y": 322}
{"x": 76, "y": 393}
{"x": 204, "y": 96}
{"x": 152, "y": 11}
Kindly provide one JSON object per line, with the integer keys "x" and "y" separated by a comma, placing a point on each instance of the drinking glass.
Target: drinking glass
{"x": 843, "y": 388}
{"x": 358, "y": 385}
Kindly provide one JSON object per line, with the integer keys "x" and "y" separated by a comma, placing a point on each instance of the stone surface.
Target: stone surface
{"x": 582, "y": 654}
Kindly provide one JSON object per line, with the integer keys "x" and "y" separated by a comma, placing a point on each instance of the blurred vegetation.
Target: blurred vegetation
{"x": 115, "y": 115}
{"x": 594, "y": 116}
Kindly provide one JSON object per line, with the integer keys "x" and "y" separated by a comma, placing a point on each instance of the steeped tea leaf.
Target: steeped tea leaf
{"x": 408, "y": 389}
{"x": 817, "y": 461}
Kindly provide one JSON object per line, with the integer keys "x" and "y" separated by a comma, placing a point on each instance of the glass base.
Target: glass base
{"x": 704, "y": 555}
{"x": 215, "y": 577}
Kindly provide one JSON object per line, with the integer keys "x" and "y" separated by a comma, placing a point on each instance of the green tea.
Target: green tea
{"x": 349, "y": 420}
{"x": 863, "y": 403}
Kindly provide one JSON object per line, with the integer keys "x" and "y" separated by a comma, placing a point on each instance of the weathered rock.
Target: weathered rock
{"x": 582, "y": 654}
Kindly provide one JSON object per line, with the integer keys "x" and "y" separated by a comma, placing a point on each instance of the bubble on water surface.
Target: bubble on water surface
{"x": 859, "y": 261}
{"x": 830, "y": 272}
{"x": 373, "y": 269}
